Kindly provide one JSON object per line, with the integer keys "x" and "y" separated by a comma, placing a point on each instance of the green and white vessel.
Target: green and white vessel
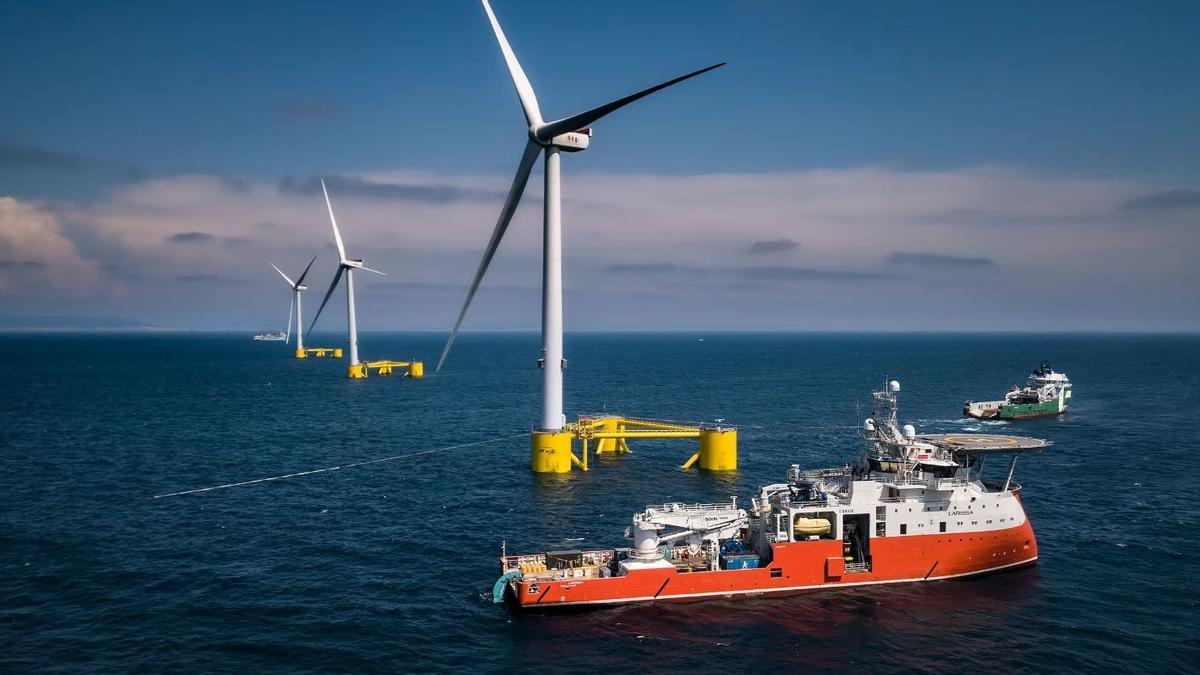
{"x": 1045, "y": 393}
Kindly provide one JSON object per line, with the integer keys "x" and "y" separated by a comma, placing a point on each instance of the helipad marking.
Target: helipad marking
{"x": 973, "y": 440}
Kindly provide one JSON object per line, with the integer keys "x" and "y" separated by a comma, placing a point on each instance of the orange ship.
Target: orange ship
{"x": 915, "y": 508}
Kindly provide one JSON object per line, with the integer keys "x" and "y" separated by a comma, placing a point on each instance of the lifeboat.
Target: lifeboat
{"x": 810, "y": 526}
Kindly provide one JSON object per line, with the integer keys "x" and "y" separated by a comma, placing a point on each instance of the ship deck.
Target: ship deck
{"x": 986, "y": 443}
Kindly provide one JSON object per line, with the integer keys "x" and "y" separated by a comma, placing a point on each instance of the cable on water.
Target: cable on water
{"x": 339, "y": 467}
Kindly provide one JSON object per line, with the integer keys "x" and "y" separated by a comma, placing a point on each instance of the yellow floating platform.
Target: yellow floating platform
{"x": 411, "y": 369}
{"x": 553, "y": 452}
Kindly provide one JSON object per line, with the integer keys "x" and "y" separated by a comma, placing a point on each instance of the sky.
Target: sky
{"x": 856, "y": 166}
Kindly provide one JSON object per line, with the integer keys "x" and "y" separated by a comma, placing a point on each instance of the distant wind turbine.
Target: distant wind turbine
{"x": 348, "y": 266}
{"x": 569, "y": 134}
{"x": 297, "y": 287}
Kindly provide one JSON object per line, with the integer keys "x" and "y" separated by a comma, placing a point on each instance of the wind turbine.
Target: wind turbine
{"x": 348, "y": 266}
{"x": 569, "y": 134}
{"x": 297, "y": 287}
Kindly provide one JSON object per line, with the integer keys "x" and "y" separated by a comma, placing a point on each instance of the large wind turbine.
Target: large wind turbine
{"x": 569, "y": 134}
{"x": 297, "y": 287}
{"x": 348, "y": 266}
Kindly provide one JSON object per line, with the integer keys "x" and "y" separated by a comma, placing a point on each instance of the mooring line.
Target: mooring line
{"x": 339, "y": 467}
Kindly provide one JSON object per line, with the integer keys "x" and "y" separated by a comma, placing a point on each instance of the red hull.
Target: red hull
{"x": 799, "y": 567}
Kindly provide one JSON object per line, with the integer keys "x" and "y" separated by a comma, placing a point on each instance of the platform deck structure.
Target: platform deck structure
{"x": 717, "y": 449}
{"x": 411, "y": 369}
{"x": 319, "y": 352}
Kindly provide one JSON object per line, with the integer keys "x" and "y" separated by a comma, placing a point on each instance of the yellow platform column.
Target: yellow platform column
{"x": 718, "y": 448}
{"x": 416, "y": 370}
{"x": 606, "y": 425}
{"x": 551, "y": 452}
{"x": 358, "y": 371}
{"x": 301, "y": 354}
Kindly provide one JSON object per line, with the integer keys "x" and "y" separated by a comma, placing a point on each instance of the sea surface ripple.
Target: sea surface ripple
{"x": 389, "y": 566}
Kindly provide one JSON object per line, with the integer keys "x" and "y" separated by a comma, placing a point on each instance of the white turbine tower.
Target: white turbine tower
{"x": 297, "y": 287}
{"x": 569, "y": 134}
{"x": 348, "y": 266}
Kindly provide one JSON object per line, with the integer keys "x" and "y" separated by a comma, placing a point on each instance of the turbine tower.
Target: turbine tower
{"x": 297, "y": 287}
{"x": 357, "y": 369}
{"x": 569, "y": 134}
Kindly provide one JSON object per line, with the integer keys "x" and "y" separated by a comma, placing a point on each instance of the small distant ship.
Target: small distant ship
{"x": 914, "y": 508}
{"x": 1045, "y": 393}
{"x": 277, "y": 336}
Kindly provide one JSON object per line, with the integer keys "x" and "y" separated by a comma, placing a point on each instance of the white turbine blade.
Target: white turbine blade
{"x": 306, "y": 269}
{"x": 336, "y": 277}
{"x": 532, "y": 150}
{"x": 368, "y": 269}
{"x": 285, "y": 277}
{"x": 529, "y": 103}
{"x": 337, "y": 236}
{"x": 291, "y": 311}
{"x": 584, "y": 119}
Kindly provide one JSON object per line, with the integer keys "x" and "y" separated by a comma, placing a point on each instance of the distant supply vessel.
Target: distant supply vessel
{"x": 914, "y": 508}
{"x": 277, "y": 336}
{"x": 1045, "y": 393}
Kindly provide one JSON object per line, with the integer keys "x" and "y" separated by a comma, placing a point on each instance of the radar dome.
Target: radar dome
{"x": 869, "y": 424}
{"x": 910, "y": 431}
{"x": 894, "y": 386}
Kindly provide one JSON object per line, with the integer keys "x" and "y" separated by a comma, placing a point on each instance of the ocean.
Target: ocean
{"x": 388, "y": 567}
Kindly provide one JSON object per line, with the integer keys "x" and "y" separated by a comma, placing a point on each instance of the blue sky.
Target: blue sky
{"x": 108, "y": 102}
{"x": 272, "y": 88}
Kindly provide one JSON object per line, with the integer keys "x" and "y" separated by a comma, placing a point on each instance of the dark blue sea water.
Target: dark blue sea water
{"x": 389, "y": 567}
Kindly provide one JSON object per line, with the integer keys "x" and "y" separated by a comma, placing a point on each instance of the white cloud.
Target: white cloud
{"x": 37, "y": 261}
{"x": 1057, "y": 243}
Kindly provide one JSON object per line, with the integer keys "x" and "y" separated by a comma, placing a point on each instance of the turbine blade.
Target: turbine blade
{"x": 291, "y": 312}
{"x": 337, "y": 236}
{"x": 532, "y": 150}
{"x": 368, "y": 269}
{"x": 336, "y": 277}
{"x": 306, "y": 269}
{"x": 529, "y": 103}
{"x": 285, "y": 277}
{"x": 583, "y": 119}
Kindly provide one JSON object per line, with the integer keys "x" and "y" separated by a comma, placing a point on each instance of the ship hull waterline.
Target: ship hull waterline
{"x": 797, "y": 568}
{"x": 1019, "y": 411}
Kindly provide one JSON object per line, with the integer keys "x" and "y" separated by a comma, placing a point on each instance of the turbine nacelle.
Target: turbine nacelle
{"x": 572, "y": 141}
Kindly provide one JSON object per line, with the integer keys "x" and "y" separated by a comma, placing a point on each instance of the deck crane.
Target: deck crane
{"x": 701, "y": 525}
